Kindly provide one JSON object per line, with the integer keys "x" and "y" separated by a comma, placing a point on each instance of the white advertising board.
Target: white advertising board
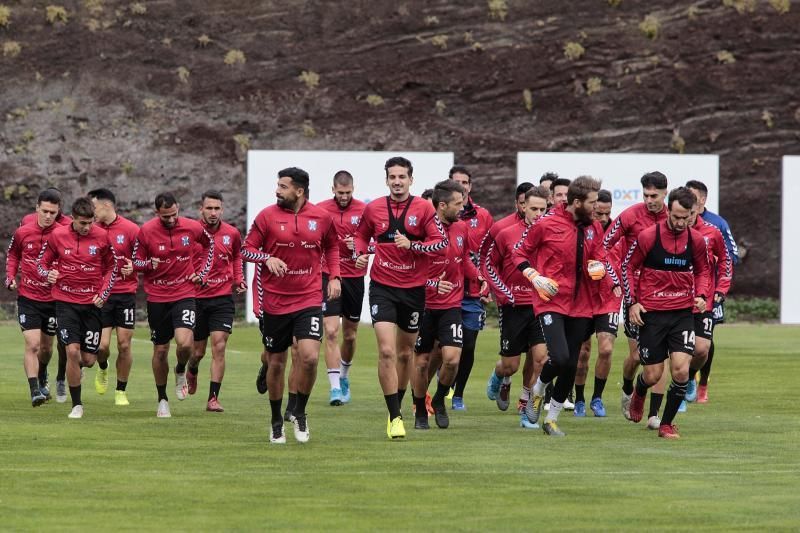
{"x": 368, "y": 175}
{"x": 621, "y": 172}
{"x": 790, "y": 243}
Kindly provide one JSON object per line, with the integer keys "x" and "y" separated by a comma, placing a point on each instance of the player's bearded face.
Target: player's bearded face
{"x": 343, "y": 194}
{"x": 584, "y": 210}
{"x": 168, "y": 215}
{"x": 286, "y": 193}
{"x": 453, "y": 208}
{"x": 679, "y": 217}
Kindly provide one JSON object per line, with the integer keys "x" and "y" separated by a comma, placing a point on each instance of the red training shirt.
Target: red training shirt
{"x": 345, "y": 221}
{"x": 456, "y": 266}
{"x": 122, "y": 236}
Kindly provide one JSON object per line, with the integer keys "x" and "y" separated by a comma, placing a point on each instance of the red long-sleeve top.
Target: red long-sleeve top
{"x": 227, "y": 270}
{"x": 456, "y": 266}
{"x": 122, "y": 234}
{"x": 23, "y": 251}
{"x": 508, "y": 284}
{"x": 345, "y": 221}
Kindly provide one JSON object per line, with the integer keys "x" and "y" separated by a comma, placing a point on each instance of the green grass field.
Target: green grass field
{"x": 737, "y": 466}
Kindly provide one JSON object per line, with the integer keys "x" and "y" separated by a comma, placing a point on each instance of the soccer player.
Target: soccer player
{"x": 473, "y": 313}
{"x": 606, "y": 323}
{"x": 520, "y": 332}
{"x": 344, "y": 312}
{"x": 720, "y": 281}
{"x": 626, "y": 227}
{"x": 674, "y": 277}
{"x": 213, "y": 301}
{"x": 119, "y": 311}
{"x": 562, "y": 255}
{"x": 442, "y": 319}
{"x": 35, "y": 305}
{"x": 164, "y": 251}
{"x": 406, "y": 231}
{"x": 558, "y": 189}
{"x": 289, "y": 240}
{"x": 701, "y": 191}
{"x": 78, "y": 260}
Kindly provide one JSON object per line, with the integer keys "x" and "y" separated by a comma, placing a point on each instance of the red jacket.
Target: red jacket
{"x": 258, "y": 292}
{"x": 122, "y": 234}
{"x": 299, "y": 240}
{"x": 226, "y": 272}
{"x": 345, "y": 221}
{"x": 417, "y": 220}
{"x": 603, "y": 292}
{"x": 86, "y": 264}
{"x": 479, "y": 221}
{"x": 172, "y": 280}
{"x": 31, "y": 218}
{"x": 718, "y": 258}
{"x": 456, "y": 265}
{"x": 509, "y": 285}
{"x": 550, "y": 247}
{"x": 630, "y": 223}
{"x": 23, "y": 250}
{"x": 671, "y": 273}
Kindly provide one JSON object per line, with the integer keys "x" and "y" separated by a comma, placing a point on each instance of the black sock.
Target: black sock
{"x": 627, "y": 386}
{"x": 692, "y": 374}
{"x": 641, "y": 386}
{"x": 302, "y": 401}
{"x": 655, "y": 403}
{"x": 706, "y": 370}
{"x": 121, "y": 385}
{"x": 393, "y": 404}
{"x": 180, "y": 368}
{"x": 401, "y": 393}
{"x": 33, "y": 383}
{"x": 162, "y": 392}
{"x": 466, "y": 362}
{"x": 275, "y": 407}
{"x": 579, "y": 393}
{"x": 75, "y": 394}
{"x": 290, "y": 405}
{"x": 419, "y": 406}
{"x": 599, "y": 387}
{"x": 62, "y": 370}
{"x": 43, "y": 373}
{"x": 441, "y": 391}
{"x": 675, "y": 395}
{"x": 193, "y": 369}
{"x": 103, "y": 364}
{"x": 213, "y": 389}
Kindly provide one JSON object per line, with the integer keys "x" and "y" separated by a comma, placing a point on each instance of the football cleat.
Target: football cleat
{"x": 395, "y": 428}
{"x": 191, "y": 382}
{"x": 503, "y": 396}
{"x": 121, "y": 397}
{"x": 668, "y": 431}
{"x": 534, "y": 409}
{"x": 493, "y": 386}
{"x": 181, "y": 387}
{"x": 335, "y": 397}
{"x": 580, "y": 409}
{"x": 163, "y": 409}
{"x": 261, "y": 380}
{"x": 551, "y": 428}
{"x": 691, "y": 391}
{"x": 77, "y": 412}
{"x": 101, "y": 380}
{"x": 277, "y": 436}
{"x": 214, "y": 406}
{"x": 597, "y": 407}
{"x": 345, "y": 384}
{"x": 301, "y": 431}
{"x": 61, "y": 391}
{"x": 458, "y": 404}
{"x": 636, "y": 409}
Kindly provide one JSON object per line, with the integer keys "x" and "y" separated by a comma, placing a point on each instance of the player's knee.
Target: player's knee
{"x": 45, "y": 354}
{"x": 88, "y": 359}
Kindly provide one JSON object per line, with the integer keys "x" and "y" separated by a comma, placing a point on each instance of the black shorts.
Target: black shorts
{"x": 119, "y": 311}
{"x": 401, "y": 306}
{"x": 33, "y": 314}
{"x": 631, "y": 329}
{"x": 665, "y": 332}
{"x": 213, "y": 314}
{"x": 277, "y": 331}
{"x": 79, "y": 324}
{"x": 330, "y": 307}
{"x": 564, "y": 335}
{"x": 704, "y": 325}
{"x": 443, "y": 325}
{"x": 607, "y": 323}
{"x": 349, "y": 304}
{"x": 165, "y": 317}
{"x": 519, "y": 330}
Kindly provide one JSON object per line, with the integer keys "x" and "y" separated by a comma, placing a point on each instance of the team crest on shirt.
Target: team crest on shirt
{"x": 312, "y": 225}
{"x": 92, "y": 250}
{"x": 120, "y": 239}
{"x": 589, "y": 234}
{"x": 548, "y": 320}
{"x": 185, "y": 240}
{"x": 30, "y": 245}
{"x": 412, "y": 220}
{"x": 460, "y": 241}
{"x": 226, "y": 239}
{"x": 707, "y": 240}
{"x": 473, "y": 223}
{"x": 354, "y": 220}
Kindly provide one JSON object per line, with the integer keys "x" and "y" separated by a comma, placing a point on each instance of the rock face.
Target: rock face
{"x": 149, "y": 96}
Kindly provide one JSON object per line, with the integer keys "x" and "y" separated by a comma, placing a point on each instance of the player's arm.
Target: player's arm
{"x": 701, "y": 268}
{"x": 46, "y": 257}
{"x": 13, "y": 256}
{"x": 724, "y": 269}
{"x": 330, "y": 247}
{"x": 615, "y": 231}
{"x": 435, "y": 242}
{"x": 730, "y": 243}
{"x": 633, "y": 261}
{"x": 253, "y": 246}
{"x": 364, "y": 232}
{"x": 238, "y": 263}
{"x": 110, "y": 272}
{"x": 525, "y": 252}
{"x": 491, "y": 270}
{"x": 141, "y": 261}
{"x": 206, "y": 240}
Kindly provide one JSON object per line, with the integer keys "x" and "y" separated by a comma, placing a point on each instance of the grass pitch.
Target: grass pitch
{"x": 736, "y": 467}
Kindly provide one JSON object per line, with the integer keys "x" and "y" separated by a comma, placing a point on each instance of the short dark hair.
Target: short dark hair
{"x": 444, "y": 191}
{"x": 398, "y": 162}
{"x": 165, "y": 199}
{"x": 83, "y": 207}
{"x": 426, "y": 194}
{"x": 298, "y": 176}
{"x": 699, "y": 185}
{"x": 654, "y": 179}
{"x": 342, "y": 177}
{"x": 539, "y": 191}
{"x": 103, "y": 194}
{"x": 548, "y": 176}
{"x": 211, "y": 193}
{"x": 50, "y": 195}
{"x": 460, "y": 169}
{"x": 604, "y": 195}
{"x": 580, "y": 188}
{"x": 559, "y": 182}
{"x": 683, "y": 196}
{"x": 523, "y": 187}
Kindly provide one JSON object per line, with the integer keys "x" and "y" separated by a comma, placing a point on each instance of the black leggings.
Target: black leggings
{"x": 564, "y": 336}
{"x": 466, "y": 361}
